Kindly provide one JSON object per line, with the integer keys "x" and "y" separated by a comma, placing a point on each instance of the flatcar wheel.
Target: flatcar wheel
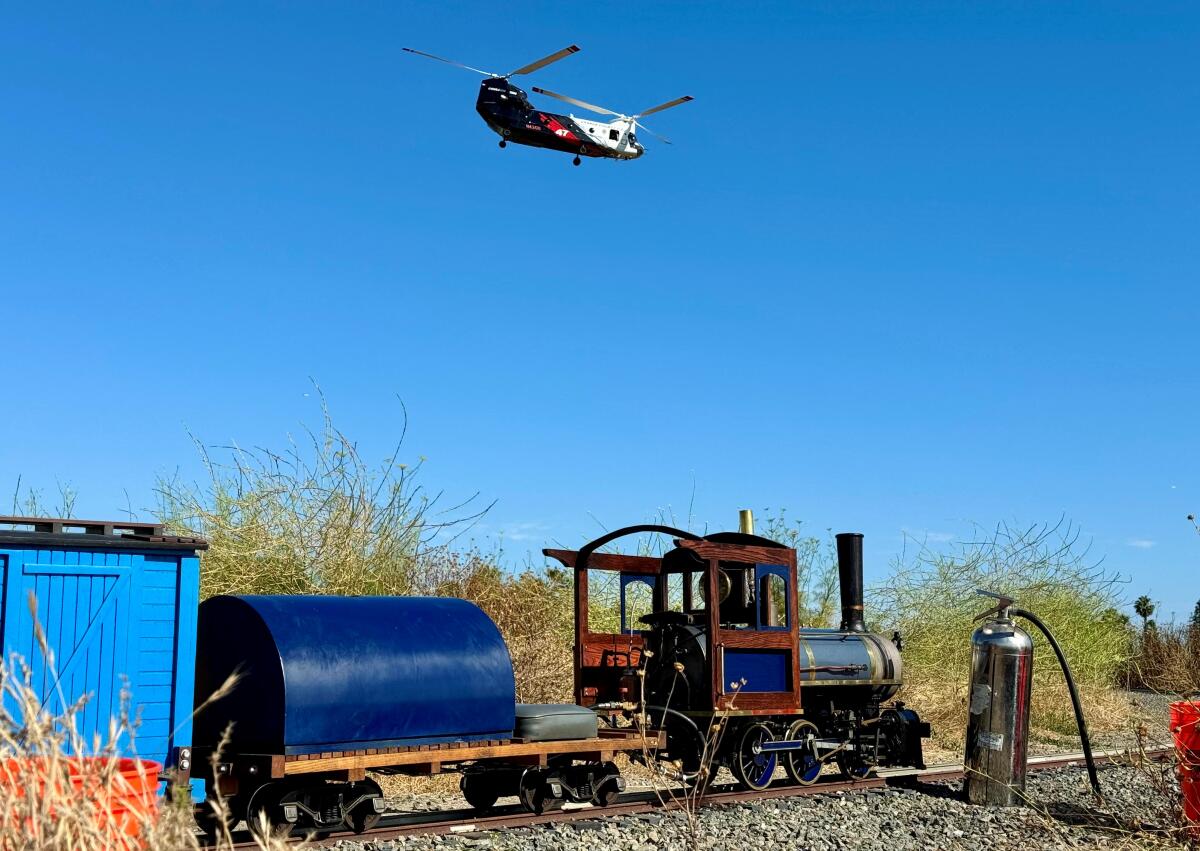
{"x": 754, "y": 768}
{"x": 802, "y": 766}
{"x": 364, "y": 817}
{"x": 534, "y": 793}
{"x": 479, "y": 790}
{"x": 263, "y": 802}
{"x": 607, "y": 791}
{"x": 209, "y": 822}
{"x": 531, "y": 792}
{"x": 852, "y": 766}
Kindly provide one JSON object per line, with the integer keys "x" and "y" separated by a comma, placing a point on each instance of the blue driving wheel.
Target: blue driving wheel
{"x": 751, "y": 766}
{"x": 802, "y": 766}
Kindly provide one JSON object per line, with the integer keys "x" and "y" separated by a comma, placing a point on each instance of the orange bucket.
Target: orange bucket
{"x": 124, "y": 791}
{"x": 1185, "y": 727}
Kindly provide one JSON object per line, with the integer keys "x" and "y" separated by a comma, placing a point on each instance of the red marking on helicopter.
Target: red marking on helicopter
{"x": 556, "y": 127}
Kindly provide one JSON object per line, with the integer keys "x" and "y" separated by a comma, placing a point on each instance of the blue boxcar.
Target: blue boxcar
{"x": 117, "y": 603}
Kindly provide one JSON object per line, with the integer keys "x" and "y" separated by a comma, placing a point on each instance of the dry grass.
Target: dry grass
{"x": 1167, "y": 659}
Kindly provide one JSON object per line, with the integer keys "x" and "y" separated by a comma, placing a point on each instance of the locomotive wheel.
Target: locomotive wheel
{"x": 852, "y": 766}
{"x": 363, "y": 817}
{"x": 751, "y": 767}
{"x": 802, "y": 766}
{"x": 480, "y": 792}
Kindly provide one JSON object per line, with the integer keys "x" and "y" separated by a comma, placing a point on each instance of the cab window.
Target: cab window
{"x": 637, "y": 600}
{"x": 774, "y": 608}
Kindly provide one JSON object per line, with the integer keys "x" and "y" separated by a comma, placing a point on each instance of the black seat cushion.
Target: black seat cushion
{"x": 550, "y": 722}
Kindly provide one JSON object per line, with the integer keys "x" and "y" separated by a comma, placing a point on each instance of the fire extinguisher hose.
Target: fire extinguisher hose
{"x": 1066, "y": 669}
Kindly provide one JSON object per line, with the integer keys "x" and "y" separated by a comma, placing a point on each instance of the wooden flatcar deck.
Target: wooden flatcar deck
{"x": 430, "y": 759}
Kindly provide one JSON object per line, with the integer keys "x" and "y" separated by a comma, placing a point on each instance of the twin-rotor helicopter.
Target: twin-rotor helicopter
{"x": 507, "y": 110}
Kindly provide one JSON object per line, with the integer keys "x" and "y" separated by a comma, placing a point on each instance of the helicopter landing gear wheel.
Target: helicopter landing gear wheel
{"x": 503, "y": 144}
{"x": 576, "y": 161}
{"x": 803, "y": 766}
{"x": 751, "y": 766}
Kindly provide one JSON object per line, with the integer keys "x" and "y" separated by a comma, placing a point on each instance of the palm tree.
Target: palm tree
{"x": 1144, "y": 609}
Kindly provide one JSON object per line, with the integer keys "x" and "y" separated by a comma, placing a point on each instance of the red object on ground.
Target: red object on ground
{"x": 1185, "y": 727}
{"x": 125, "y": 795}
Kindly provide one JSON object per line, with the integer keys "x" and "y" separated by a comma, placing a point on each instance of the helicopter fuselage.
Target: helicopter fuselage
{"x": 507, "y": 110}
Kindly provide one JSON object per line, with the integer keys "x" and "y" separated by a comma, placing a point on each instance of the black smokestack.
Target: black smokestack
{"x": 850, "y": 576}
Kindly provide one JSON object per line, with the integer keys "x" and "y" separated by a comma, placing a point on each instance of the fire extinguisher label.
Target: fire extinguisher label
{"x": 991, "y": 741}
{"x": 981, "y": 698}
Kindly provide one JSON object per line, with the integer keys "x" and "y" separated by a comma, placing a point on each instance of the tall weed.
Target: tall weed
{"x": 313, "y": 518}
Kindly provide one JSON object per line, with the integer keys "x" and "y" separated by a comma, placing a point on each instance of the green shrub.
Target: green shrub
{"x": 930, "y": 598}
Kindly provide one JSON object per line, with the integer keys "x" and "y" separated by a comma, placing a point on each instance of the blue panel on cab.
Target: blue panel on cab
{"x": 347, "y": 673}
{"x": 763, "y": 670}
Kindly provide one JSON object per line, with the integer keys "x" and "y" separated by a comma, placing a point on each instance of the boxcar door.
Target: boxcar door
{"x": 83, "y": 603}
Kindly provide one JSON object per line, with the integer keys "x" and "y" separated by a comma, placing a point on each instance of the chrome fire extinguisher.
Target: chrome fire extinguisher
{"x": 998, "y": 708}
{"x": 999, "y": 695}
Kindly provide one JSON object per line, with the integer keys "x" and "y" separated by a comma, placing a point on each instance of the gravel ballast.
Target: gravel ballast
{"x": 1062, "y": 815}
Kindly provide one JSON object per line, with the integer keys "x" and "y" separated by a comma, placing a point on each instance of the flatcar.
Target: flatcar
{"x": 327, "y": 688}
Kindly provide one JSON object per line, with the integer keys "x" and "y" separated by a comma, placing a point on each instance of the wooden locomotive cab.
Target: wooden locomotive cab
{"x": 735, "y": 594}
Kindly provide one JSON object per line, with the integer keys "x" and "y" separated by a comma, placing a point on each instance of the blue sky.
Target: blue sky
{"x": 909, "y": 266}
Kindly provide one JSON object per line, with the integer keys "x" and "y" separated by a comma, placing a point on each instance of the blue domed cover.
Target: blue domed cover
{"x": 349, "y": 673}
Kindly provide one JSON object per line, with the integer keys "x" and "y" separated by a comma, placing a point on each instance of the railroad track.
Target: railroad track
{"x": 638, "y": 802}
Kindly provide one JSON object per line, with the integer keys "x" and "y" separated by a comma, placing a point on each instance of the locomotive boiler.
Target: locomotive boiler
{"x": 723, "y": 642}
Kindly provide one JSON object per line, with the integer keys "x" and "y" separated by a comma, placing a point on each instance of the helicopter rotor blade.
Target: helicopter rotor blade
{"x": 544, "y": 61}
{"x": 450, "y": 62}
{"x": 663, "y": 106}
{"x": 657, "y": 136}
{"x": 578, "y": 103}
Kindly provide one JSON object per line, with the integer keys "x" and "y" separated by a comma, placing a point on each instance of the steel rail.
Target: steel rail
{"x": 639, "y": 802}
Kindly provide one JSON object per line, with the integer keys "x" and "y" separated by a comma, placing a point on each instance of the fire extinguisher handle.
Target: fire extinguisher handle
{"x": 1002, "y": 603}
